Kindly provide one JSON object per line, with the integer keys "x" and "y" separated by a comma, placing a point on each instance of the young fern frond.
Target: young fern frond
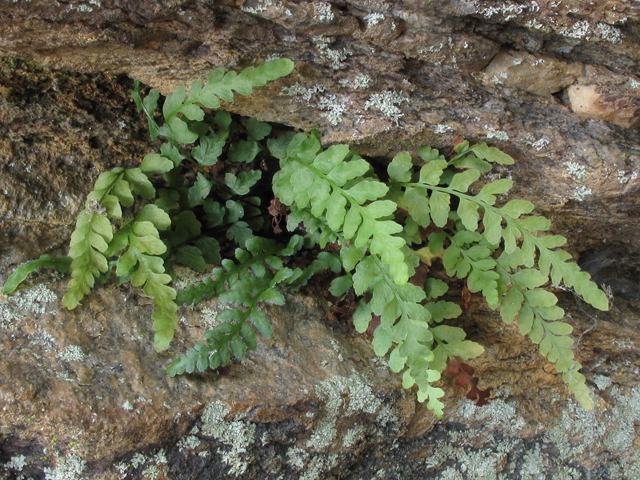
{"x": 333, "y": 184}
{"x": 257, "y": 277}
{"x": 469, "y": 254}
{"x": 183, "y": 115}
{"x": 142, "y": 262}
{"x": 60, "y": 264}
{"x": 93, "y": 233}
{"x": 406, "y": 322}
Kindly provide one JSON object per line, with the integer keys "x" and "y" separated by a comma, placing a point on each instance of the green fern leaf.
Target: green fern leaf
{"x": 400, "y": 168}
{"x": 154, "y": 163}
{"x": 492, "y": 154}
{"x": 432, "y": 171}
{"x": 462, "y": 181}
{"x": 61, "y": 264}
{"x": 88, "y": 241}
{"x": 439, "y": 205}
{"x": 241, "y": 184}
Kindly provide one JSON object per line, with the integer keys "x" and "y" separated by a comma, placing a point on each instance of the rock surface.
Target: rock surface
{"x": 555, "y": 84}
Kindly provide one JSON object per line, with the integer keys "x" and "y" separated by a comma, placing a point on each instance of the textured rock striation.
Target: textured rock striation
{"x": 556, "y": 84}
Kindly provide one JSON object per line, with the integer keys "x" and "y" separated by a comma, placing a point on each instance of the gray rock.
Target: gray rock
{"x": 83, "y": 394}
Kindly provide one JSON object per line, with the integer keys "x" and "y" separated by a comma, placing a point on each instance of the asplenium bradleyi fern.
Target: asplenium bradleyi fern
{"x": 377, "y": 225}
{"x": 138, "y": 240}
{"x": 333, "y": 196}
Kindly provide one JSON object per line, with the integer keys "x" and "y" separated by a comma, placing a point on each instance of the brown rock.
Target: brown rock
{"x": 311, "y": 402}
{"x": 537, "y": 74}
{"x": 606, "y": 96}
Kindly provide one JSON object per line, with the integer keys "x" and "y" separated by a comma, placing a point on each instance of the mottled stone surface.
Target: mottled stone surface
{"x": 84, "y": 392}
{"x": 311, "y": 403}
{"x": 382, "y": 76}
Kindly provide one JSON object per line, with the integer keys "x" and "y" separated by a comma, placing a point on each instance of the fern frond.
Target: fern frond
{"x": 142, "y": 262}
{"x": 257, "y": 277}
{"x": 405, "y": 322}
{"x": 61, "y": 265}
{"x": 92, "y": 234}
{"x": 333, "y": 184}
{"x": 182, "y": 113}
{"x": 537, "y": 316}
{"x": 470, "y": 253}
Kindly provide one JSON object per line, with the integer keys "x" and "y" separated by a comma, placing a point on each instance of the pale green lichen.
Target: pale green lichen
{"x": 185, "y": 277}
{"x": 497, "y": 134}
{"x": 374, "y": 19}
{"x": 209, "y": 315}
{"x": 625, "y": 415}
{"x": 386, "y": 415}
{"x": 481, "y": 465}
{"x": 261, "y": 6}
{"x": 138, "y": 460}
{"x": 535, "y": 464}
{"x": 387, "y": 102}
{"x": 580, "y": 192}
{"x": 576, "y": 432}
{"x": 442, "y": 451}
{"x": 153, "y": 465}
{"x": 323, "y": 11}
{"x": 576, "y": 439}
{"x": 190, "y": 442}
{"x": 334, "y": 109}
{"x": 540, "y": 144}
{"x": 359, "y": 395}
{"x": 8, "y": 316}
{"x": 602, "y": 382}
{"x": 17, "y": 463}
{"x": 297, "y": 457}
{"x": 310, "y": 467}
{"x": 451, "y": 474}
{"x": 151, "y": 472}
{"x": 238, "y": 435}
{"x": 69, "y": 468}
{"x": 508, "y": 10}
{"x": 569, "y": 473}
{"x": 441, "y": 128}
{"x": 498, "y": 414}
{"x": 31, "y": 301}
{"x": 160, "y": 458}
{"x": 73, "y": 353}
{"x": 343, "y": 396}
{"x": 610, "y": 33}
{"x": 335, "y": 56}
{"x": 360, "y": 82}
{"x": 314, "y": 469}
{"x": 353, "y": 436}
{"x": 578, "y": 30}
{"x": 576, "y": 170}
{"x": 324, "y": 434}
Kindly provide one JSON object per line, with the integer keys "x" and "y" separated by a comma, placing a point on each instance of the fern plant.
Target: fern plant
{"x": 142, "y": 251}
{"x": 379, "y": 223}
{"x": 210, "y": 199}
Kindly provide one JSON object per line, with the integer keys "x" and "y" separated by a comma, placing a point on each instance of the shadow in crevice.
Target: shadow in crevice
{"x": 618, "y": 270}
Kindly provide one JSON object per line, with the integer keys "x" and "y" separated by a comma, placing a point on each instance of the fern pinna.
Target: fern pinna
{"x": 206, "y": 198}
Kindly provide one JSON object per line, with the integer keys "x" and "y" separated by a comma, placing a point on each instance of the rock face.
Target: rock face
{"x": 555, "y": 84}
